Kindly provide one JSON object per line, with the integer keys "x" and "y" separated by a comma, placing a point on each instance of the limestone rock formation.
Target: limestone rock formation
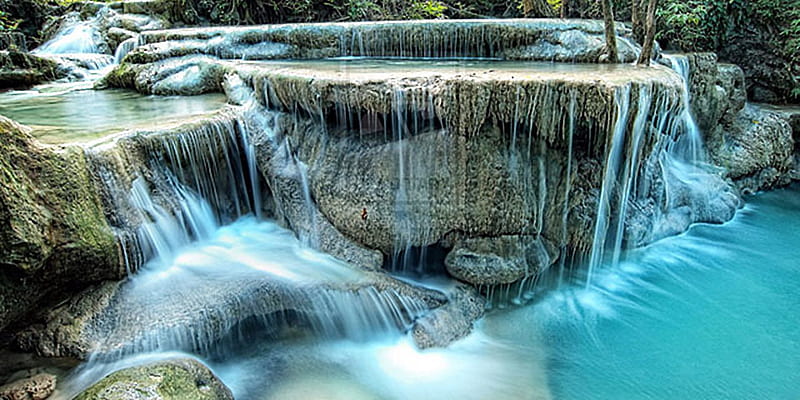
{"x": 757, "y": 150}
{"x": 63, "y": 331}
{"x": 534, "y": 40}
{"x": 37, "y": 387}
{"x": 498, "y": 260}
{"x": 21, "y": 70}
{"x": 754, "y": 145}
{"x": 54, "y": 237}
{"x": 177, "y": 379}
{"x": 452, "y": 321}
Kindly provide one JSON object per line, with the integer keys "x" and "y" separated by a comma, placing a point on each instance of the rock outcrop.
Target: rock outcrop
{"x": 754, "y": 145}
{"x": 177, "y": 379}
{"x": 37, "y": 387}
{"x": 23, "y": 70}
{"x": 54, "y": 238}
{"x": 497, "y": 260}
{"x": 452, "y": 321}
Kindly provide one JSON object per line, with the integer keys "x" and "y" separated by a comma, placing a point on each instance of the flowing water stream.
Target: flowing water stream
{"x": 709, "y": 314}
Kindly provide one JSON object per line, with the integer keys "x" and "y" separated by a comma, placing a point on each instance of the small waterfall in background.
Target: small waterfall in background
{"x": 77, "y": 38}
{"x": 125, "y": 47}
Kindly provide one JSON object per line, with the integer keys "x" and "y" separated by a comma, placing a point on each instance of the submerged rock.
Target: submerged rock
{"x": 178, "y": 379}
{"x": 37, "y": 387}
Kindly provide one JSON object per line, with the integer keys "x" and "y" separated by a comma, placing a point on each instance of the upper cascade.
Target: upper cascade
{"x": 509, "y": 39}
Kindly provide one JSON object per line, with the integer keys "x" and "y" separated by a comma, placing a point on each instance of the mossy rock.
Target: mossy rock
{"x": 180, "y": 379}
{"x": 54, "y": 237}
{"x": 18, "y": 69}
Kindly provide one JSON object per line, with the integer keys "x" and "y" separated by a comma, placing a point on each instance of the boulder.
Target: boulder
{"x": 756, "y": 150}
{"x": 497, "y": 260}
{"x": 37, "y": 387}
{"x": 21, "y": 70}
{"x": 177, "y": 379}
{"x": 452, "y": 321}
{"x": 54, "y": 238}
{"x": 717, "y": 91}
{"x": 752, "y": 143}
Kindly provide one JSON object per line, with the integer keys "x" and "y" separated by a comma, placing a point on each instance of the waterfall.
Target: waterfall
{"x": 175, "y": 187}
{"x": 223, "y": 274}
{"x": 124, "y": 48}
{"x": 693, "y": 150}
{"x": 613, "y": 161}
{"x": 78, "y": 38}
{"x": 683, "y": 181}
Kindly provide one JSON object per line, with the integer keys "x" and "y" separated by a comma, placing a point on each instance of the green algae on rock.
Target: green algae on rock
{"x": 20, "y": 70}
{"x": 53, "y": 231}
{"x": 178, "y": 379}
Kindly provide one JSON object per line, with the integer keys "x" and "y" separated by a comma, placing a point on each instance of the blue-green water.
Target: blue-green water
{"x": 711, "y": 314}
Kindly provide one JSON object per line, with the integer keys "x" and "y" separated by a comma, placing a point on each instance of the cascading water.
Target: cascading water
{"x": 79, "y": 38}
{"x": 125, "y": 47}
{"x": 216, "y": 275}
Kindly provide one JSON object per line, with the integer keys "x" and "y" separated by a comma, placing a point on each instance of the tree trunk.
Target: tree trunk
{"x": 636, "y": 20}
{"x": 611, "y": 34}
{"x": 650, "y": 35}
{"x": 564, "y": 8}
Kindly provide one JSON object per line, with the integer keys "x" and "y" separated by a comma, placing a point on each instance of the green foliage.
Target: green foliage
{"x": 691, "y": 25}
{"x": 8, "y": 23}
{"x": 357, "y": 10}
{"x": 709, "y": 25}
{"x": 427, "y": 9}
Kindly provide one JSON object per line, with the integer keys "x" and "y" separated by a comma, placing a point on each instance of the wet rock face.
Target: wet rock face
{"x": 754, "y": 145}
{"x": 37, "y": 387}
{"x": 178, "y": 379}
{"x": 498, "y": 260}
{"x": 717, "y": 90}
{"x": 757, "y": 150}
{"x": 63, "y": 332}
{"x": 22, "y": 70}
{"x": 451, "y": 322}
{"x": 53, "y": 234}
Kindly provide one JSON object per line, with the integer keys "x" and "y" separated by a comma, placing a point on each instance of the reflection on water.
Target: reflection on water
{"x": 72, "y": 112}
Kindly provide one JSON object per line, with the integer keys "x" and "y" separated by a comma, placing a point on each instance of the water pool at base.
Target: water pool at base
{"x": 710, "y": 314}
{"x": 73, "y": 112}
